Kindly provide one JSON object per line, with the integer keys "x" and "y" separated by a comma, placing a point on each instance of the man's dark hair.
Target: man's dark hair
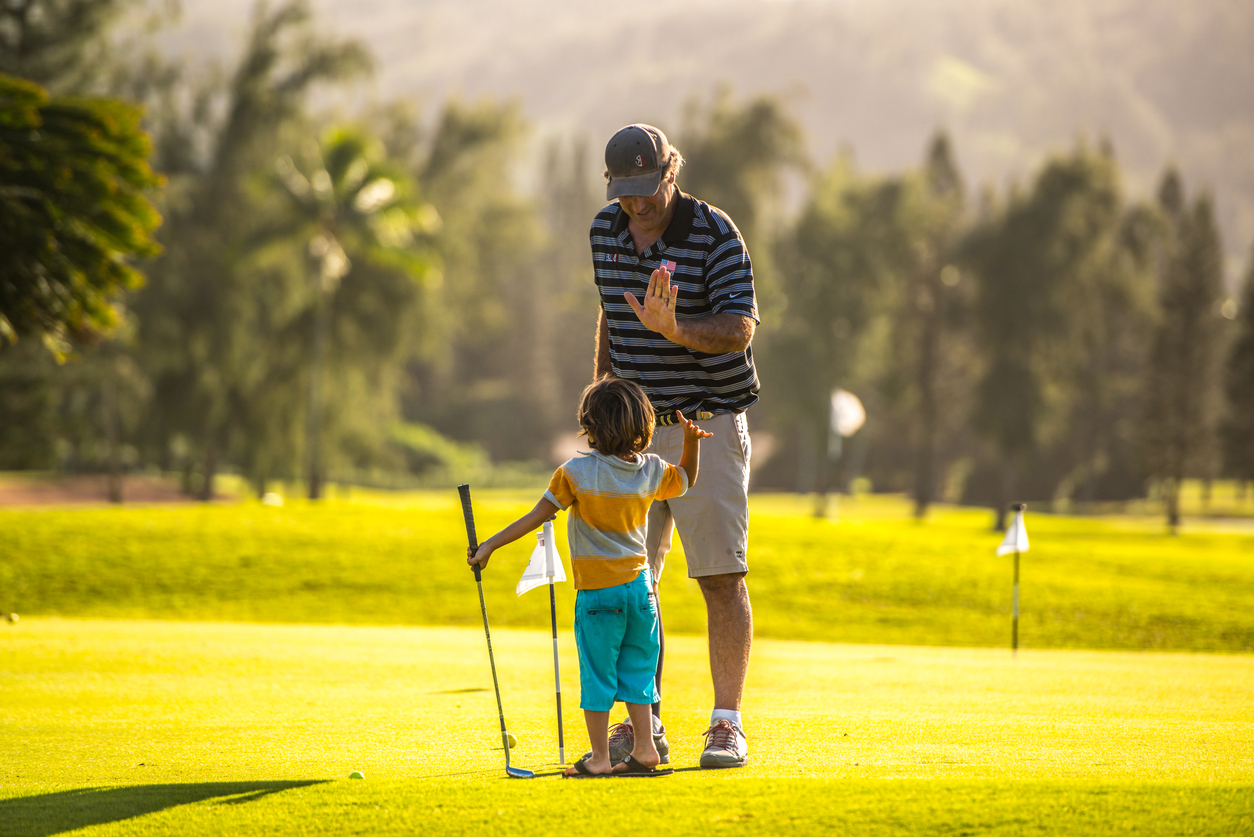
{"x": 616, "y": 416}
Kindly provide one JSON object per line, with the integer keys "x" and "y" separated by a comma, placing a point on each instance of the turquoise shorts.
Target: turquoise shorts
{"x": 616, "y": 631}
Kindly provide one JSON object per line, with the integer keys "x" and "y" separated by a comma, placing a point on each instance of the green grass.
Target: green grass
{"x": 875, "y": 575}
{"x": 225, "y": 725}
{"x": 132, "y": 727}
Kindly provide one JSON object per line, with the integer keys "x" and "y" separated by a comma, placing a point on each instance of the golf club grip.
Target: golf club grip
{"x": 469, "y": 514}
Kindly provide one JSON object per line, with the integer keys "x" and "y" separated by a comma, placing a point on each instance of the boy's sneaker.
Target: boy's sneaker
{"x": 725, "y": 746}
{"x": 623, "y": 741}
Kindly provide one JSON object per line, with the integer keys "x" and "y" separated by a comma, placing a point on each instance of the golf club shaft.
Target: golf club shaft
{"x": 496, "y": 686}
{"x": 472, "y": 538}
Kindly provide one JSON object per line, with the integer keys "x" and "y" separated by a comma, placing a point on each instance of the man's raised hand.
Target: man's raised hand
{"x": 658, "y": 311}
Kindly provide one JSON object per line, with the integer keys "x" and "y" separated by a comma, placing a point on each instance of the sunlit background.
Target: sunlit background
{"x": 1020, "y": 233}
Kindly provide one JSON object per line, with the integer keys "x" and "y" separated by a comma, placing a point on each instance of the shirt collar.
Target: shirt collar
{"x": 677, "y": 230}
{"x": 615, "y": 461}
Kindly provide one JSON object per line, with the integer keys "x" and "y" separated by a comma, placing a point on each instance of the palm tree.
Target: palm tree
{"x": 348, "y": 206}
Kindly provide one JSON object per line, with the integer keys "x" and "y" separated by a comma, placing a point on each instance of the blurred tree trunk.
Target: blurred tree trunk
{"x": 937, "y": 224}
{"x": 317, "y": 363}
{"x": 825, "y": 441}
{"x": 109, "y": 420}
{"x": 925, "y": 455}
{"x": 211, "y": 466}
{"x": 1171, "y": 497}
{"x": 1184, "y": 386}
{"x": 1238, "y": 430}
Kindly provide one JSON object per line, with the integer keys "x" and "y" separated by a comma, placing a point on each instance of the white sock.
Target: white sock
{"x": 732, "y": 715}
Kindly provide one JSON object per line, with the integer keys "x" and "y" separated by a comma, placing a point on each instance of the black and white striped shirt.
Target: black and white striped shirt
{"x": 711, "y": 273}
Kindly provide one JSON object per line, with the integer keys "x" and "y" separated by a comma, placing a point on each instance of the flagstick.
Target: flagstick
{"x": 557, "y": 679}
{"x": 1014, "y": 618}
{"x": 1014, "y": 622}
{"x": 550, "y": 550}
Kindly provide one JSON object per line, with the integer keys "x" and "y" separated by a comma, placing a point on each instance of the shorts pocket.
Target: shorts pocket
{"x": 742, "y": 436}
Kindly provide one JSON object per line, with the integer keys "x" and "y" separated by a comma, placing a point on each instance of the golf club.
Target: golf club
{"x": 468, "y": 513}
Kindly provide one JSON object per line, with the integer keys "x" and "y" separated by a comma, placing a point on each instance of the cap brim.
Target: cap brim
{"x": 641, "y": 185}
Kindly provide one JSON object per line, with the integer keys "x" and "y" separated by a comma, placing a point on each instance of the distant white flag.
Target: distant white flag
{"x": 545, "y": 562}
{"x": 1016, "y": 539}
{"x": 847, "y": 413}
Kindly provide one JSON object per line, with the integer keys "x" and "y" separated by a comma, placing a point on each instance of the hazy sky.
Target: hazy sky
{"x": 1011, "y": 81}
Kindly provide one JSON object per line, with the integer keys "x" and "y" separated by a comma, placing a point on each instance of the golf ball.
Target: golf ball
{"x": 356, "y": 774}
{"x": 513, "y": 742}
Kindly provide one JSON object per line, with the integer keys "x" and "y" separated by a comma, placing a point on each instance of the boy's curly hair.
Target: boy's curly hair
{"x": 616, "y": 416}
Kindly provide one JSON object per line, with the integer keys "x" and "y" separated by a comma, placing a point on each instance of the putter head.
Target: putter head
{"x": 513, "y": 772}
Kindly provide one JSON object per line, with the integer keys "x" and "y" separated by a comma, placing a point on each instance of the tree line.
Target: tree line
{"x": 201, "y": 271}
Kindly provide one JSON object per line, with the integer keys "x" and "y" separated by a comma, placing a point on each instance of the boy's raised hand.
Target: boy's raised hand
{"x": 691, "y": 430}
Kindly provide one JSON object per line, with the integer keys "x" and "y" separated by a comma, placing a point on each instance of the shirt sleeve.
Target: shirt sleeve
{"x": 729, "y": 274}
{"x": 674, "y": 482}
{"x": 561, "y": 491}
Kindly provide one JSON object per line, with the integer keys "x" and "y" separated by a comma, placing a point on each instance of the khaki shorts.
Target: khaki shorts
{"x": 713, "y": 516}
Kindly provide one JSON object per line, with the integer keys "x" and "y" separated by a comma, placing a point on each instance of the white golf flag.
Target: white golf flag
{"x": 847, "y": 413}
{"x": 545, "y": 562}
{"x": 1016, "y": 539}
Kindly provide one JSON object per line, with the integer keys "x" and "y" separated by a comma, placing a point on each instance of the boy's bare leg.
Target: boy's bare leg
{"x": 599, "y": 736}
{"x": 645, "y": 751}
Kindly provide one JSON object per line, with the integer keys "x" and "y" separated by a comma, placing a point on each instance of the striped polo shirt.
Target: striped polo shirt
{"x": 609, "y": 503}
{"x": 712, "y": 274}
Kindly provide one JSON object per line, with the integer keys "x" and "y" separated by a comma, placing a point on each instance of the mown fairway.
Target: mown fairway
{"x": 161, "y": 728}
{"x": 874, "y": 576}
{"x": 144, "y": 693}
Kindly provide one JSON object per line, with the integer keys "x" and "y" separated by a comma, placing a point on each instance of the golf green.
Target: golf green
{"x": 149, "y": 727}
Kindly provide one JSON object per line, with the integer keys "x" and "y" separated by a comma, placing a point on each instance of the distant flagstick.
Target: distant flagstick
{"x": 546, "y": 565}
{"x": 1016, "y": 541}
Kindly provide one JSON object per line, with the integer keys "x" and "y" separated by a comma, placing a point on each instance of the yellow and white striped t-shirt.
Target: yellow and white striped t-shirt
{"x": 609, "y": 501}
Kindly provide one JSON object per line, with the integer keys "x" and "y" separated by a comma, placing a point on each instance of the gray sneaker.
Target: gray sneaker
{"x": 725, "y": 746}
{"x": 623, "y": 740}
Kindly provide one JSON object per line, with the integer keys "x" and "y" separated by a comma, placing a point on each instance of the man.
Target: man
{"x": 678, "y": 313}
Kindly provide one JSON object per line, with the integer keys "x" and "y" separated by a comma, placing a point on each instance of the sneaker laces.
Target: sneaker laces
{"x": 622, "y": 732}
{"x": 721, "y": 735}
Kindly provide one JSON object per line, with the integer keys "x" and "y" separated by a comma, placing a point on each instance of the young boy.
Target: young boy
{"x": 608, "y": 492}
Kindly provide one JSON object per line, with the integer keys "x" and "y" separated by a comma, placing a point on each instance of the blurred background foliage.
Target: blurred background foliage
{"x": 391, "y": 292}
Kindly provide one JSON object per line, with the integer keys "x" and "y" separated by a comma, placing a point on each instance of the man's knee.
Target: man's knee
{"x": 726, "y": 586}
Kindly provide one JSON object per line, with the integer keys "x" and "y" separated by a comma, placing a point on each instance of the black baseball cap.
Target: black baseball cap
{"x": 636, "y": 159}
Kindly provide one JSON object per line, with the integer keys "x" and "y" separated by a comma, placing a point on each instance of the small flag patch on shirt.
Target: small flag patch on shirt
{"x": 670, "y": 266}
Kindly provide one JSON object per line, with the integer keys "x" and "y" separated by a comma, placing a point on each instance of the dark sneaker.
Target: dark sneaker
{"x": 725, "y": 746}
{"x": 623, "y": 741}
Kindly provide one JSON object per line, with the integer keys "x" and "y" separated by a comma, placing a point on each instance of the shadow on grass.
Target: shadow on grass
{"x": 55, "y": 813}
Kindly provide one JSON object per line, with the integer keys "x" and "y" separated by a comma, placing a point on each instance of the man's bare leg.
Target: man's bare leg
{"x": 731, "y": 635}
{"x": 730, "y": 618}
